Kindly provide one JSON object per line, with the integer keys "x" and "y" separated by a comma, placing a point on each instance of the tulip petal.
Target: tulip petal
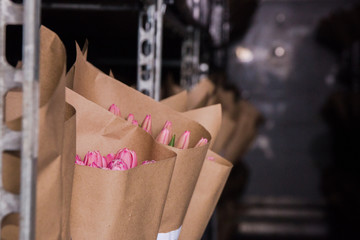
{"x": 148, "y": 162}
{"x": 146, "y": 124}
{"x": 164, "y": 136}
{"x": 202, "y": 142}
{"x": 115, "y": 110}
{"x": 130, "y": 117}
{"x": 183, "y": 142}
{"x": 127, "y": 156}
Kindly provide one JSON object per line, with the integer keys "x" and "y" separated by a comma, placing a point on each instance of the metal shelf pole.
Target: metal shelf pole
{"x": 149, "y": 48}
{"x": 29, "y": 150}
{"x": 190, "y": 54}
{"x": 26, "y": 141}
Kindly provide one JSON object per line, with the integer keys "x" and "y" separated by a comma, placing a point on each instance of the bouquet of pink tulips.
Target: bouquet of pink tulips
{"x": 185, "y": 135}
{"x": 123, "y": 160}
{"x": 164, "y": 136}
{"x": 213, "y": 175}
{"x": 124, "y": 190}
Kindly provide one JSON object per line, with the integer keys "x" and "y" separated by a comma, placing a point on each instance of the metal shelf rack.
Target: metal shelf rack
{"x": 150, "y": 34}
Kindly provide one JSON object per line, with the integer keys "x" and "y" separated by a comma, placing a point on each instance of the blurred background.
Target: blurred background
{"x": 296, "y": 61}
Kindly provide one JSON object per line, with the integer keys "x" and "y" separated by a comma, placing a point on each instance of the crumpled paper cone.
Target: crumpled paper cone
{"x": 68, "y": 155}
{"x": 209, "y": 117}
{"x": 177, "y": 102}
{"x": 227, "y": 98}
{"x": 104, "y": 90}
{"x": 200, "y": 94}
{"x": 50, "y": 185}
{"x": 226, "y": 132}
{"x": 211, "y": 182}
{"x": 245, "y": 132}
{"x": 116, "y": 204}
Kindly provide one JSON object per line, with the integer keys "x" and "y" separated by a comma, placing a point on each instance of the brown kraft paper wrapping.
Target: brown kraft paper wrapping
{"x": 49, "y": 195}
{"x": 246, "y": 129}
{"x": 69, "y": 153}
{"x": 199, "y": 95}
{"x": 226, "y": 132}
{"x": 211, "y": 181}
{"x": 209, "y": 117}
{"x": 104, "y": 90}
{"x": 10, "y": 227}
{"x": 176, "y": 102}
{"x": 117, "y": 204}
{"x": 209, "y": 187}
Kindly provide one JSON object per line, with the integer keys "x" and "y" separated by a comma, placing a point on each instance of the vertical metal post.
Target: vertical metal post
{"x": 10, "y": 13}
{"x": 161, "y": 7}
{"x": 220, "y": 31}
{"x": 13, "y": 14}
{"x": 149, "y": 48}
{"x": 190, "y": 54}
{"x": 29, "y": 150}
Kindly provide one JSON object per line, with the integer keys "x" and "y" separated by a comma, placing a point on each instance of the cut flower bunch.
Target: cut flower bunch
{"x": 164, "y": 136}
{"x": 124, "y": 159}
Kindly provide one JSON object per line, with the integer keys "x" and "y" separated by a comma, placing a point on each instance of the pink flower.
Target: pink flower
{"x": 79, "y": 162}
{"x": 148, "y": 162}
{"x": 168, "y": 125}
{"x": 134, "y": 122}
{"x": 130, "y": 117}
{"x": 146, "y": 124}
{"x": 94, "y": 165}
{"x": 211, "y": 158}
{"x": 202, "y": 142}
{"x": 118, "y": 165}
{"x": 109, "y": 158}
{"x": 115, "y": 110}
{"x": 164, "y": 136}
{"x": 78, "y": 158}
{"x": 183, "y": 142}
{"x": 94, "y": 156}
{"x": 129, "y": 157}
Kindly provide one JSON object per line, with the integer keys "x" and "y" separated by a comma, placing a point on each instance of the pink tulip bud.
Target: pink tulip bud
{"x": 164, "y": 136}
{"x": 129, "y": 157}
{"x": 118, "y": 165}
{"x": 130, "y": 117}
{"x": 79, "y": 162}
{"x": 148, "y": 162}
{"x": 211, "y": 158}
{"x": 78, "y": 158}
{"x": 94, "y": 156}
{"x": 104, "y": 162}
{"x": 146, "y": 124}
{"x": 134, "y": 122}
{"x": 183, "y": 142}
{"x": 115, "y": 110}
{"x": 109, "y": 158}
{"x": 202, "y": 142}
{"x": 94, "y": 165}
{"x": 168, "y": 125}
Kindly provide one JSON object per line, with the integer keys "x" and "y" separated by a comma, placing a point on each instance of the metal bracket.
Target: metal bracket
{"x": 26, "y": 141}
{"x": 190, "y": 54}
{"x": 150, "y": 48}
